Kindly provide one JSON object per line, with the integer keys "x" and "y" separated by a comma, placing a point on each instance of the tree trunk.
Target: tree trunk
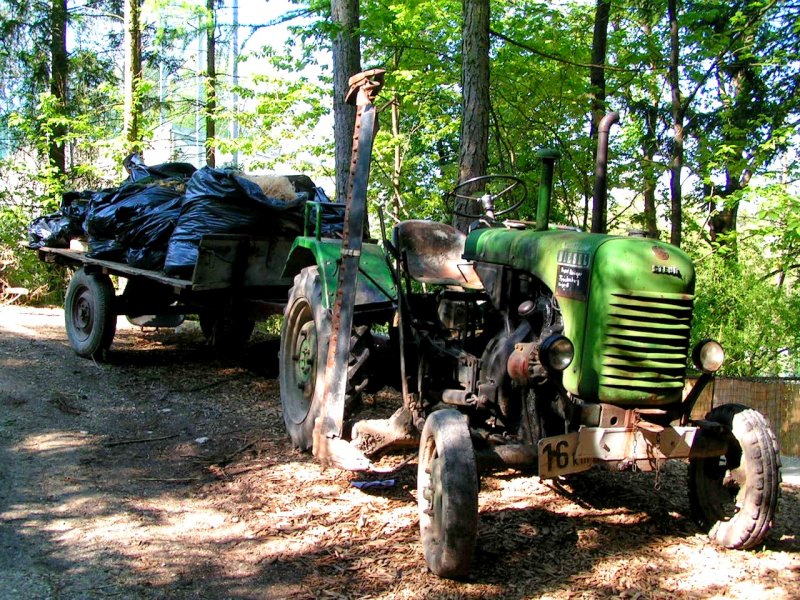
{"x": 676, "y": 159}
{"x": 743, "y": 106}
{"x": 211, "y": 85}
{"x": 235, "y": 81}
{"x": 722, "y": 221}
{"x": 58, "y": 79}
{"x": 133, "y": 75}
{"x": 346, "y": 63}
{"x": 649, "y": 147}
{"x": 597, "y": 80}
{"x": 474, "y": 145}
{"x": 397, "y": 196}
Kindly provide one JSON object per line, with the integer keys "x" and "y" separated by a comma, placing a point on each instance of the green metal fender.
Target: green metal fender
{"x": 375, "y": 281}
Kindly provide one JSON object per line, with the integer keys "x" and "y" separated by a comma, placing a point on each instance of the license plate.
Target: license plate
{"x": 557, "y": 456}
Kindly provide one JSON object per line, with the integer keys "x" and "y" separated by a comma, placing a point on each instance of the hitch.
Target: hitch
{"x": 328, "y": 446}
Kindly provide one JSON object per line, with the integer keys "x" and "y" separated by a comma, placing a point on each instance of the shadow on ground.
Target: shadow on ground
{"x": 166, "y": 473}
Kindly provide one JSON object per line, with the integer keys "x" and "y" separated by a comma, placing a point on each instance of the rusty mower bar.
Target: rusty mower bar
{"x": 328, "y": 444}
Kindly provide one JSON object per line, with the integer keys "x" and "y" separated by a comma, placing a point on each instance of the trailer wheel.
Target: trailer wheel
{"x": 447, "y": 494}
{"x": 305, "y": 335}
{"x": 735, "y": 496}
{"x": 89, "y": 313}
{"x": 225, "y": 332}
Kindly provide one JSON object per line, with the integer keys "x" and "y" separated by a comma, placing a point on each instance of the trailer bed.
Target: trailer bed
{"x": 236, "y": 281}
{"x": 224, "y": 262}
{"x": 78, "y": 257}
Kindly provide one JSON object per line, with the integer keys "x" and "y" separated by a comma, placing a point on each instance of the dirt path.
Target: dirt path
{"x": 166, "y": 473}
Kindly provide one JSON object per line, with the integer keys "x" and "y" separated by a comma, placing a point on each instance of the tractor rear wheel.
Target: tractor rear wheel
{"x": 735, "y": 496}
{"x": 447, "y": 494}
{"x": 89, "y": 315}
{"x": 305, "y": 336}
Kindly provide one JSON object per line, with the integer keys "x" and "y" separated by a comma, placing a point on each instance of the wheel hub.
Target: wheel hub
{"x": 433, "y": 494}
{"x": 83, "y": 315}
{"x": 305, "y": 358}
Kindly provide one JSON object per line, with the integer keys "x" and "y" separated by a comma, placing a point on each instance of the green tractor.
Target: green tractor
{"x": 517, "y": 345}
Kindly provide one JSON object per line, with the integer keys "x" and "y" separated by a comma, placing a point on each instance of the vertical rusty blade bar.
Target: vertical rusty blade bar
{"x": 336, "y": 367}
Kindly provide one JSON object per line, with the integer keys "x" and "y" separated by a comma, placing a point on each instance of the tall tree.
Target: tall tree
{"x": 649, "y": 149}
{"x": 417, "y": 156}
{"x": 132, "y": 75}
{"x": 649, "y": 114}
{"x": 473, "y": 156}
{"x": 597, "y": 77}
{"x": 234, "y": 122}
{"x": 211, "y": 84}
{"x": 538, "y": 102}
{"x": 346, "y": 63}
{"x": 678, "y": 114}
{"x": 746, "y": 103}
{"x": 58, "y": 80}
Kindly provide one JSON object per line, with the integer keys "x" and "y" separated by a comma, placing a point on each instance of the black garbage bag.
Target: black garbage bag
{"x": 53, "y": 231}
{"x": 151, "y": 259}
{"x": 305, "y": 187}
{"x": 58, "y": 229}
{"x": 220, "y": 201}
{"x": 106, "y": 249}
{"x": 75, "y": 204}
{"x": 138, "y": 172}
{"x": 129, "y": 217}
{"x": 102, "y": 221}
{"x": 148, "y": 226}
{"x": 332, "y": 222}
{"x": 145, "y": 232}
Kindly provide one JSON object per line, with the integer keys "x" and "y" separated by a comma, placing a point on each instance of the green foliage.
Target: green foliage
{"x": 751, "y": 304}
{"x": 417, "y": 147}
{"x": 279, "y": 127}
{"x": 756, "y": 321}
{"x": 779, "y": 215}
{"x": 540, "y": 98}
{"x": 32, "y": 187}
{"x": 22, "y": 268}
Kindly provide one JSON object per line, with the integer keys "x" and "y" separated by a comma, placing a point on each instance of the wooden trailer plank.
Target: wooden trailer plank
{"x": 111, "y": 267}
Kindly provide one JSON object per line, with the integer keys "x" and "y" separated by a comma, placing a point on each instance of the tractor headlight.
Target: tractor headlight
{"x": 708, "y": 356}
{"x": 556, "y": 352}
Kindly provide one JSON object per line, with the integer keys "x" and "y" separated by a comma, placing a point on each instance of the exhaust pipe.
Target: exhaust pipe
{"x": 549, "y": 158}
{"x": 601, "y": 173}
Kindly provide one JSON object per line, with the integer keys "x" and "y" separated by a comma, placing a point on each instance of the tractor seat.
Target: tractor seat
{"x": 431, "y": 252}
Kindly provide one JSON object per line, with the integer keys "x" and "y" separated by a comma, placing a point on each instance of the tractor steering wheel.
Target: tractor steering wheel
{"x": 494, "y": 187}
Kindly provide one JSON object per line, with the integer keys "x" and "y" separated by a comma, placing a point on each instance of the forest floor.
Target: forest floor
{"x": 166, "y": 473}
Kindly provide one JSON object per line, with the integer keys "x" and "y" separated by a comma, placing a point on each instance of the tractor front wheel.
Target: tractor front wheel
{"x": 447, "y": 494}
{"x": 735, "y": 496}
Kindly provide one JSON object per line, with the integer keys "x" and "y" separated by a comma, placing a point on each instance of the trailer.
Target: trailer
{"x": 237, "y": 281}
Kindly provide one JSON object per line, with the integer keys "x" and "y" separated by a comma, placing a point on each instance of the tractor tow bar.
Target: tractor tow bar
{"x": 328, "y": 445}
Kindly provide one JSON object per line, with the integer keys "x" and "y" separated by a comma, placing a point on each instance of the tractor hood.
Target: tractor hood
{"x": 626, "y": 304}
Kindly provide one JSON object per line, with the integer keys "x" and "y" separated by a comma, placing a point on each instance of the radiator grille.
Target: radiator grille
{"x": 646, "y": 344}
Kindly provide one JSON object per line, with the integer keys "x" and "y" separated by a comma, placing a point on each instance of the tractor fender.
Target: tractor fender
{"x": 375, "y": 284}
